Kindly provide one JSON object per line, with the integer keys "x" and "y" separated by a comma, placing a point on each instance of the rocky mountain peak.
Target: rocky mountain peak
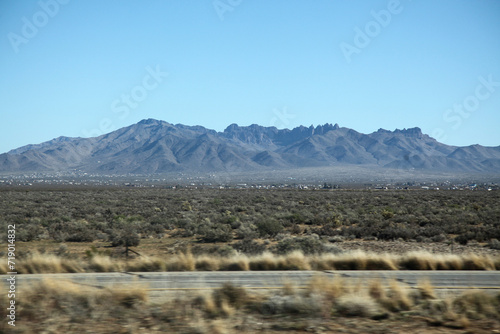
{"x": 154, "y": 146}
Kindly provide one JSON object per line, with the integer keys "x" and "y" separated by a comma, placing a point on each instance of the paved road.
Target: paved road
{"x": 167, "y": 282}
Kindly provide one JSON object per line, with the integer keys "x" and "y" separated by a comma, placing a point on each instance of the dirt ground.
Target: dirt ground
{"x": 399, "y": 247}
{"x": 405, "y": 325}
{"x": 165, "y": 246}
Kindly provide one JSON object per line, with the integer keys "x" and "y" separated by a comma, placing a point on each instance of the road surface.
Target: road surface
{"x": 162, "y": 283}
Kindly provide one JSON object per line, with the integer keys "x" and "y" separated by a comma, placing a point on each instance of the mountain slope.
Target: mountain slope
{"x": 153, "y": 146}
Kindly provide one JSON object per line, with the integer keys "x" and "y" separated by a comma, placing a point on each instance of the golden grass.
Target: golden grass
{"x": 65, "y": 307}
{"x": 265, "y": 261}
{"x": 206, "y": 263}
{"x": 288, "y": 288}
{"x": 356, "y": 260}
{"x": 376, "y": 290}
{"x": 359, "y": 260}
{"x": 477, "y": 262}
{"x": 147, "y": 264}
{"x": 181, "y": 262}
{"x": 293, "y": 261}
{"x": 331, "y": 288}
{"x": 48, "y": 264}
{"x": 100, "y": 263}
{"x": 397, "y": 298}
{"x": 477, "y": 305}
{"x": 426, "y": 290}
{"x": 235, "y": 263}
{"x": 357, "y": 306}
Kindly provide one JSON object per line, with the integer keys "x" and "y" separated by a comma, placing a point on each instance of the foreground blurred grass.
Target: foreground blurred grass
{"x": 49, "y": 263}
{"x": 65, "y": 307}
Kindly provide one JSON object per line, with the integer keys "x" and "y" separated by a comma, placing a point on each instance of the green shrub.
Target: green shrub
{"x": 269, "y": 227}
{"x": 29, "y": 232}
{"x": 215, "y": 233}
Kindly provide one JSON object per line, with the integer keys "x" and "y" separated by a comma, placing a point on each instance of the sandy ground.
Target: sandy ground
{"x": 399, "y": 247}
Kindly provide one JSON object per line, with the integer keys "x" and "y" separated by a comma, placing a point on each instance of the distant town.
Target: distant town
{"x": 237, "y": 181}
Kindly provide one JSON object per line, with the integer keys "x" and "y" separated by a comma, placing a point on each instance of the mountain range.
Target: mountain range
{"x": 153, "y": 146}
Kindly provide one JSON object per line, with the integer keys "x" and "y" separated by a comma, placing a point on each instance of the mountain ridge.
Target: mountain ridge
{"x": 156, "y": 146}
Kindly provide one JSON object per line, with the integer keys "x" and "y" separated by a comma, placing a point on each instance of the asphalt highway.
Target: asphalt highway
{"x": 162, "y": 283}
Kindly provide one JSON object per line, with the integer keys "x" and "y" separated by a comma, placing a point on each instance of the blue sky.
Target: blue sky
{"x": 83, "y": 68}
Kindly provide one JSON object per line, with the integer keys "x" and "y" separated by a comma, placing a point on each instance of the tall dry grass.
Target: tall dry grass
{"x": 65, "y": 307}
{"x": 356, "y": 260}
{"x": 38, "y": 263}
{"x": 52, "y": 306}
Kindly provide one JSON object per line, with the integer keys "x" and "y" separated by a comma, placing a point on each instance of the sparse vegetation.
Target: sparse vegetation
{"x": 326, "y": 305}
{"x": 104, "y": 262}
{"x": 277, "y": 220}
{"x": 208, "y": 229}
{"x": 89, "y": 230}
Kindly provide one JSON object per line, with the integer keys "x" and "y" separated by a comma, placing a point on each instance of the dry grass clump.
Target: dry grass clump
{"x": 458, "y": 312}
{"x": 477, "y": 262}
{"x": 53, "y": 305}
{"x": 357, "y": 306}
{"x": 429, "y": 261}
{"x": 293, "y": 304}
{"x": 223, "y": 302}
{"x": 478, "y": 305}
{"x": 322, "y": 262}
{"x": 417, "y": 261}
{"x": 394, "y": 297}
{"x": 386, "y": 262}
{"x": 38, "y": 263}
{"x": 232, "y": 295}
{"x": 206, "y": 263}
{"x": 265, "y": 261}
{"x": 295, "y": 260}
{"x": 65, "y": 307}
{"x": 357, "y": 260}
{"x": 426, "y": 290}
{"x": 146, "y": 264}
{"x": 376, "y": 290}
{"x": 206, "y": 303}
{"x": 397, "y": 298}
{"x": 235, "y": 263}
{"x": 331, "y": 288}
{"x": 181, "y": 262}
{"x": 128, "y": 297}
{"x": 288, "y": 288}
{"x": 104, "y": 264}
{"x": 351, "y": 261}
{"x": 448, "y": 262}
{"x": 3, "y": 267}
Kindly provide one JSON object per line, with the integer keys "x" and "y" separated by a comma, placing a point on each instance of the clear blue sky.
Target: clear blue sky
{"x": 81, "y": 68}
